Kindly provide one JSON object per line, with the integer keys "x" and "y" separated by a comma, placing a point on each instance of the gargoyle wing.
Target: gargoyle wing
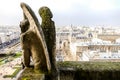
{"x": 35, "y": 26}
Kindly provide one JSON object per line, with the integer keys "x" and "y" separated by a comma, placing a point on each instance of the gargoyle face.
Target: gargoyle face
{"x": 24, "y": 25}
{"x": 45, "y": 12}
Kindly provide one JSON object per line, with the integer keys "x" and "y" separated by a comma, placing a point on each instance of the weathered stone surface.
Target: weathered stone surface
{"x": 48, "y": 28}
{"x": 30, "y": 74}
{"x": 89, "y": 70}
{"x": 33, "y": 42}
{"x": 38, "y": 42}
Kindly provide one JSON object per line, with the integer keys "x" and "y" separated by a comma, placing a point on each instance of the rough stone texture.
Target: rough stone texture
{"x": 32, "y": 41}
{"x": 89, "y": 70}
{"x": 48, "y": 28}
{"x": 30, "y": 74}
{"x": 85, "y": 71}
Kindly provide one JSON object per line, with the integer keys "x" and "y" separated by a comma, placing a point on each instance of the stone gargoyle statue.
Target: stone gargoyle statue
{"x": 33, "y": 41}
{"x": 49, "y": 32}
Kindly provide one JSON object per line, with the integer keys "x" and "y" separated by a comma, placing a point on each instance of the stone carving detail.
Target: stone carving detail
{"x": 33, "y": 42}
{"x": 48, "y": 28}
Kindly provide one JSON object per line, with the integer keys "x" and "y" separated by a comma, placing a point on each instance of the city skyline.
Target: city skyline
{"x": 66, "y": 12}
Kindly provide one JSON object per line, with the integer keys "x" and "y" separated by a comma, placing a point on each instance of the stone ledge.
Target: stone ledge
{"x": 71, "y": 70}
{"x": 90, "y": 65}
{"x": 89, "y": 70}
{"x": 30, "y": 74}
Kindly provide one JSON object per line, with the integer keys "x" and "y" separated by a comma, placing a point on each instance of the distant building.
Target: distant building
{"x": 109, "y": 37}
{"x": 92, "y": 50}
{"x": 8, "y": 33}
{"x": 86, "y": 43}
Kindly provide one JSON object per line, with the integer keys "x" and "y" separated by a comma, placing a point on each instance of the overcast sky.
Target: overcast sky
{"x": 66, "y": 12}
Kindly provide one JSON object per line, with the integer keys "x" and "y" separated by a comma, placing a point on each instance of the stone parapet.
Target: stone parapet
{"x": 30, "y": 74}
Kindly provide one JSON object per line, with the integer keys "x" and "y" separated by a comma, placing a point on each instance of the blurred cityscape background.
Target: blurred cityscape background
{"x": 83, "y": 43}
{"x": 74, "y": 43}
